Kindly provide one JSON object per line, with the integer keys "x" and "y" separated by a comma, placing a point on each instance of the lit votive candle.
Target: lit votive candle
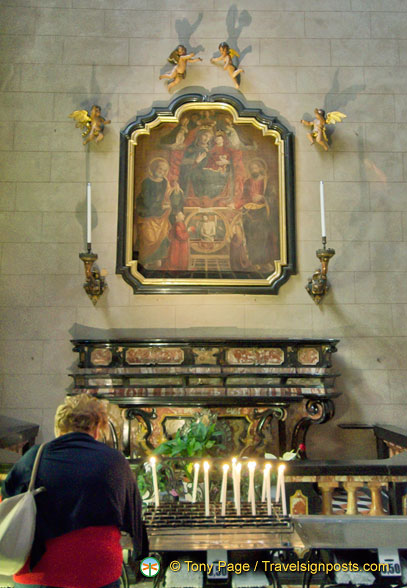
{"x": 206, "y": 482}
{"x": 238, "y": 470}
{"x": 234, "y": 461}
{"x": 195, "y": 482}
{"x": 281, "y": 489}
{"x": 224, "y": 488}
{"x": 155, "y": 482}
{"x": 263, "y": 488}
{"x": 251, "y": 496}
{"x": 266, "y": 481}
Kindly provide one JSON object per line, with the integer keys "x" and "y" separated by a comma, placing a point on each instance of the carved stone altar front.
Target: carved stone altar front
{"x": 266, "y": 393}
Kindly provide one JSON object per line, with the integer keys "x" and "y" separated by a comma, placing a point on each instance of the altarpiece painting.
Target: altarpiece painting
{"x": 206, "y": 199}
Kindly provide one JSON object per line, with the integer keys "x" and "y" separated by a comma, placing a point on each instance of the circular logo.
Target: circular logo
{"x": 149, "y": 567}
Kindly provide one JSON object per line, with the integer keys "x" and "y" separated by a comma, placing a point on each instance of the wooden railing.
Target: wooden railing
{"x": 390, "y": 440}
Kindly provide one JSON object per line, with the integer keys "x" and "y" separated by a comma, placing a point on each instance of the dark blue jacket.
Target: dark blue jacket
{"x": 87, "y": 484}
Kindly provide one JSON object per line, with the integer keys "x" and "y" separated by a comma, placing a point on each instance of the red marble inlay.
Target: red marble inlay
{"x": 101, "y": 357}
{"x": 247, "y": 356}
{"x": 308, "y": 355}
{"x": 152, "y": 355}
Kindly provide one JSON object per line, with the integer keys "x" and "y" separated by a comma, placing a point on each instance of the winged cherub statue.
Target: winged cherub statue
{"x": 321, "y": 119}
{"x": 226, "y": 56}
{"x": 93, "y": 123}
{"x": 180, "y": 59}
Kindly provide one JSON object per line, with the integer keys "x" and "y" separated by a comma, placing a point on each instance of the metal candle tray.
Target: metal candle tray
{"x": 183, "y": 526}
{"x": 192, "y": 515}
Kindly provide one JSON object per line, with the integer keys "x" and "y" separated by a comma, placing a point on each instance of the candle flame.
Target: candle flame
{"x": 251, "y": 465}
{"x": 196, "y": 465}
{"x": 267, "y": 466}
{"x": 225, "y": 467}
{"x": 206, "y": 466}
{"x": 281, "y": 467}
{"x": 152, "y": 460}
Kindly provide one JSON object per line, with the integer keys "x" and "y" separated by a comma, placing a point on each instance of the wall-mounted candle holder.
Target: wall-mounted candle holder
{"x": 95, "y": 283}
{"x": 318, "y": 284}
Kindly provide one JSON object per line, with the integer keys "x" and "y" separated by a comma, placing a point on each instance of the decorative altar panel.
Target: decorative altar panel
{"x": 265, "y": 393}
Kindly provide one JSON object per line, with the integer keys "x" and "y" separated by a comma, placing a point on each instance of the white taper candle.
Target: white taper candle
{"x": 88, "y": 215}
{"x": 267, "y": 471}
{"x": 283, "y": 496}
{"x": 155, "y": 482}
{"x": 322, "y": 201}
{"x": 252, "y": 466}
{"x": 206, "y": 481}
{"x": 224, "y": 489}
{"x": 195, "y": 483}
{"x": 263, "y": 488}
{"x": 278, "y": 487}
{"x": 281, "y": 488}
{"x": 234, "y": 480}
{"x": 238, "y": 470}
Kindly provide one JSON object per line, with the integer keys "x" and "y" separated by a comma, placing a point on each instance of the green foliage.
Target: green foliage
{"x": 196, "y": 440}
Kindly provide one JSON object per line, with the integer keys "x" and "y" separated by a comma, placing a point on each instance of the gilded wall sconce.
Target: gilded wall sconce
{"x": 318, "y": 284}
{"x": 95, "y": 283}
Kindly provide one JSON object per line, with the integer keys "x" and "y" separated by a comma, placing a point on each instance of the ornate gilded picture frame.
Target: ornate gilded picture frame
{"x": 206, "y": 199}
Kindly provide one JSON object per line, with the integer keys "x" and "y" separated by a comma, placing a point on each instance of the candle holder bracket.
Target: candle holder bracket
{"x": 318, "y": 284}
{"x": 95, "y": 283}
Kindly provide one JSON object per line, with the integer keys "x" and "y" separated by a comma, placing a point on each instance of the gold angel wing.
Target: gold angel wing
{"x": 173, "y": 57}
{"x": 233, "y": 53}
{"x": 81, "y": 117}
{"x": 333, "y": 117}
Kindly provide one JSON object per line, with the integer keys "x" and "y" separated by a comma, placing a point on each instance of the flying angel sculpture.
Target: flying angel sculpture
{"x": 93, "y": 123}
{"x": 318, "y": 132}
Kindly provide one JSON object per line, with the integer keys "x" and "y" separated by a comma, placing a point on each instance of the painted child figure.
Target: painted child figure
{"x": 219, "y": 156}
{"x": 180, "y": 58}
{"x": 226, "y": 55}
{"x": 178, "y": 255}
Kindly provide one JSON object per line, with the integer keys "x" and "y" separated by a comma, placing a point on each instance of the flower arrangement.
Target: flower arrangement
{"x": 195, "y": 439}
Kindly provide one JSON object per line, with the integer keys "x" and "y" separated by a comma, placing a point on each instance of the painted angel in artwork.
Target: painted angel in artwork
{"x": 226, "y": 55}
{"x": 180, "y": 58}
{"x": 93, "y": 123}
{"x": 318, "y": 132}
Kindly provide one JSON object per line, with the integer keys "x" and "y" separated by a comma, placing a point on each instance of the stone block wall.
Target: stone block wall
{"x": 57, "y": 56}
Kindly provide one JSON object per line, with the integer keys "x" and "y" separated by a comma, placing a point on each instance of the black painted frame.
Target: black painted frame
{"x": 161, "y": 286}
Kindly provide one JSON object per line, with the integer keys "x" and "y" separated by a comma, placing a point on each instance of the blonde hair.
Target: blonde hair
{"x": 81, "y": 413}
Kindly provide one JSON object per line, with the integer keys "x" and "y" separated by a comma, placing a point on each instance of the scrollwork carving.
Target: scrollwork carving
{"x": 317, "y": 411}
{"x": 146, "y": 416}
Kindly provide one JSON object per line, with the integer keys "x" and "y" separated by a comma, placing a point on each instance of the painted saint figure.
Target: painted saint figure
{"x": 257, "y": 216}
{"x": 226, "y": 55}
{"x": 154, "y": 205}
{"x": 180, "y": 58}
